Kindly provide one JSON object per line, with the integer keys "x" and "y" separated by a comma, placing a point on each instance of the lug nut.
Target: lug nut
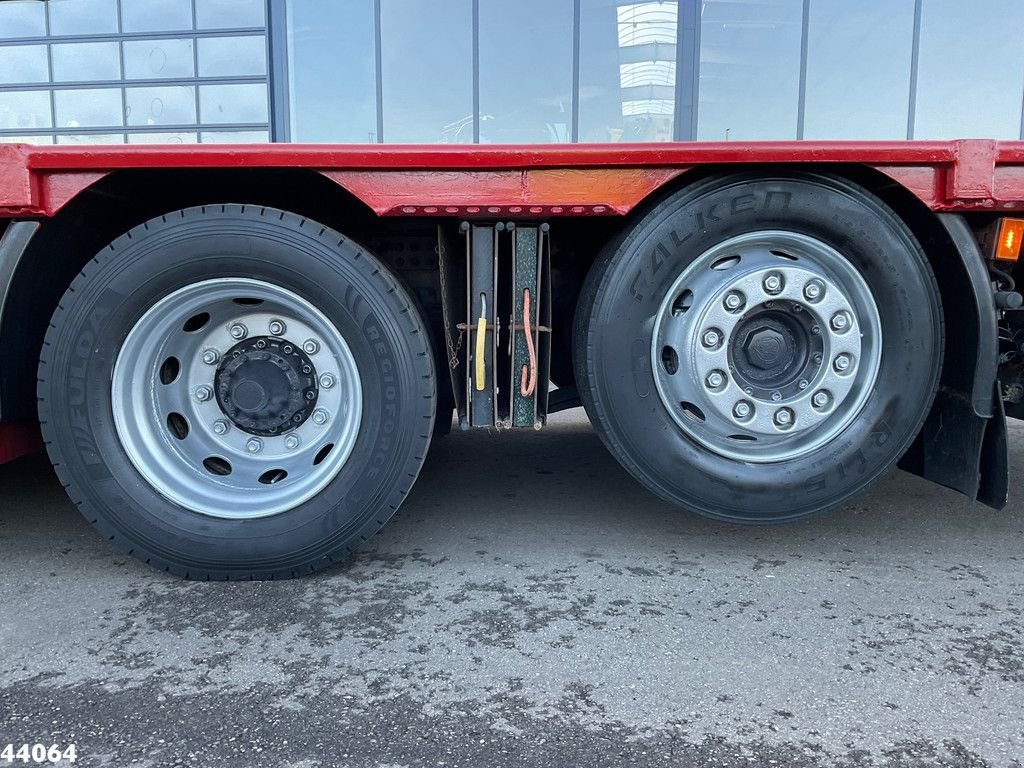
{"x": 742, "y": 410}
{"x": 813, "y": 290}
{"x": 221, "y": 427}
{"x": 715, "y": 379}
{"x": 840, "y": 322}
{"x": 776, "y": 396}
{"x": 211, "y": 356}
{"x": 238, "y": 331}
{"x": 277, "y": 327}
{"x": 734, "y": 300}
{"x": 291, "y": 442}
{"x": 320, "y": 417}
{"x": 711, "y": 338}
{"x": 327, "y": 381}
{"x": 783, "y": 417}
{"x": 203, "y": 393}
{"x": 310, "y": 347}
{"x": 254, "y": 445}
{"x": 842, "y": 363}
{"x": 820, "y": 399}
{"x": 773, "y": 283}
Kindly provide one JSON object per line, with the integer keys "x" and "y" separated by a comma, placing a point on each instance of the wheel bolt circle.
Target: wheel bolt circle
{"x": 715, "y": 379}
{"x": 277, "y": 327}
{"x": 784, "y": 417}
{"x": 238, "y": 331}
{"x": 773, "y": 283}
{"x": 327, "y": 381}
{"x": 221, "y": 427}
{"x": 310, "y": 346}
{"x": 814, "y": 290}
{"x": 320, "y": 417}
{"x": 711, "y": 338}
{"x": 211, "y": 356}
{"x": 254, "y": 445}
{"x": 743, "y": 410}
{"x": 203, "y": 393}
{"x": 840, "y": 322}
{"x": 734, "y": 300}
{"x": 842, "y": 363}
{"x": 291, "y": 442}
{"x": 820, "y": 399}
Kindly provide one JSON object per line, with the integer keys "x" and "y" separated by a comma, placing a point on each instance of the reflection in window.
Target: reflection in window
{"x": 152, "y": 59}
{"x": 222, "y": 14}
{"x": 177, "y": 137}
{"x": 323, "y": 40}
{"x": 91, "y": 138}
{"x": 970, "y": 70}
{"x": 627, "y": 70}
{"x": 232, "y": 104}
{"x": 23, "y": 64}
{"x": 232, "y": 56}
{"x": 82, "y": 17}
{"x": 525, "y": 71}
{"x": 234, "y": 137}
{"x": 21, "y": 18}
{"x": 88, "y": 108}
{"x": 86, "y": 61}
{"x": 24, "y": 110}
{"x": 37, "y": 139}
{"x": 858, "y": 69}
{"x": 749, "y": 69}
{"x": 427, "y": 71}
{"x": 156, "y": 15}
{"x": 170, "y": 105}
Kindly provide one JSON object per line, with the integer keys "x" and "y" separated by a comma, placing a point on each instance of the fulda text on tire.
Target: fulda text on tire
{"x": 760, "y": 349}
{"x": 236, "y": 392}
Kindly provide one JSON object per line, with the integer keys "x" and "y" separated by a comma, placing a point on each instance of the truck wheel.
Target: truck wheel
{"x": 760, "y": 349}
{"x": 234, "y": 392}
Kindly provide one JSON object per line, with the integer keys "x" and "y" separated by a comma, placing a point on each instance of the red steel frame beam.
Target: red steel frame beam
{"x": 552, "y": 180}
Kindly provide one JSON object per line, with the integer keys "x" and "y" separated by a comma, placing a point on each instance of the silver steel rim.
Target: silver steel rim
{"x": 172, "y": 387}
{"x": 745, "y": 304}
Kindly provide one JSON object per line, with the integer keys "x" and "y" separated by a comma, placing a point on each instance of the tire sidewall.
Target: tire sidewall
{"x": 641, "y": 270}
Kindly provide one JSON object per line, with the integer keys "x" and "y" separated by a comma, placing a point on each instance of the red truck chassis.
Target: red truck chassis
{"x": 679, "y": 291}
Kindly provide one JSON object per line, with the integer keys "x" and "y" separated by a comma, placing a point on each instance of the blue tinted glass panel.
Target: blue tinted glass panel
{"x": 525, "y": 71}
{"x": 82, "y": 17}
{"x": 91, "y": 138}
{"x": 427, "y": 71}
{"x": 627, "y": 70}
{"x": 23, "y": 64}
{"x": 971, "y": 70}
{"x": 232, "y": 56}
{"x": 86, "y": 61}
{"x": 22, "y": 18}
{"x": 234, "y": 137}
{"x": 221, "y": 14}
{"x": 858, "y": 69}
{"x": 89, "y": 108}
{"x": 164, "y": 105}
{"x": 24, "y": 110}
{"x": 232, "y": 104}
{"x": 154, "y": 59}
{"x": 323, "y": 42}
{"x": 176, "y": 137}
{"x": 749, "y": 69}
{"x": 156, "y": 15}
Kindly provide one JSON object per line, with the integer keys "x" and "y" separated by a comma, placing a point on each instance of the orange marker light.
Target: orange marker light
{"x": 1009, "y": 240}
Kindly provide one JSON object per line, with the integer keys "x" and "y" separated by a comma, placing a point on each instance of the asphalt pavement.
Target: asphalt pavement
{"x": 530, "y": 605}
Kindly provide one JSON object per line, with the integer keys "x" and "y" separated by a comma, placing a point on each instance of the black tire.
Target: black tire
{"x": 345, "y": 282}
{"x": 629, "y": 281}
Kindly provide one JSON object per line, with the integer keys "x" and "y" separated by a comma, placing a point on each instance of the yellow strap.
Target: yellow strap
{"x": 481, "y": 340}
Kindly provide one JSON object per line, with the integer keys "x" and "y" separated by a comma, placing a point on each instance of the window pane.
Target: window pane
{"x": 22, "y": 18}
{"x": 323, "y": 40}
{"x": 970, "y": 71}
{"x": 26, "y": 139}
{"x": 152, "y": 59}
{"x": 165, "y": 105}
{"x": 627, "y": 70}
{"x": 82, "y": 17}
{"x": 227, "y": 56}
{"x": 427, "y": 71}
{"x": 156, "y": 15}
{"x": 749, "y": 69}
{"x": 88, "y": 108}
{"x": 162, "y": 138}
{"x": 858, "y": 69}
{"x": 86, "y": 61}
{"x": 92, "y": 138}
{"x": 235, "y": 137}
{"x": 24, "y": 109}
{"x": 233, "y": 104}
{"x": 525, "y": 71}
{"x": 221, "y": 14}
{"x": 23, "y": 64}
